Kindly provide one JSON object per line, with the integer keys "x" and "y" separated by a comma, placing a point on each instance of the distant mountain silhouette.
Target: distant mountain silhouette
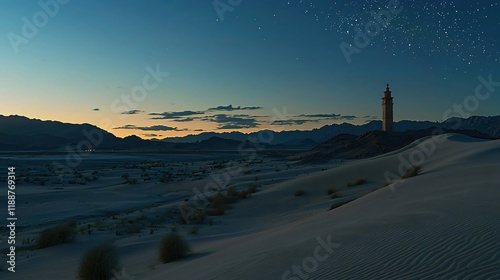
{"x": 486, "y": 125}
{"x": 21, "y": 133}
{"x": 348, "y": 146}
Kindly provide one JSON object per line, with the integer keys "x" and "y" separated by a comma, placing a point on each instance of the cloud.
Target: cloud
{"x": 371, "y": 117}
{"x": 199, "y": 129}
{"x": 96, "y": 109}
{"x": 348, "y": 117}
{"x": 188, "y": 119}
{"x": 231, "y": 108}
{"x": 232, "y": 122}
{"x": 132, "y": 112}
{"x": 149, "y": 128}
{"x": 328, "y": 116}
{"x": 174, "y": 115}
{"x": 291, "y": 122}
{"x": 332, "y": 116}
{"x": 152, "y": 135}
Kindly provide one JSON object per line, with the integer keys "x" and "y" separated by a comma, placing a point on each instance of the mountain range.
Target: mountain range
{"x": 21, "y": 133}
{"x": 373, "y": 143}
{"x": 487, "y": 125}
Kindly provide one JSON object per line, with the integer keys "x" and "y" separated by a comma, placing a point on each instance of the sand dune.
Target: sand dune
{"x": 441, "y": 224}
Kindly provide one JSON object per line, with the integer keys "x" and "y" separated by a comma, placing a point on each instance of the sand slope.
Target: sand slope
{"x": 442, "y": 224}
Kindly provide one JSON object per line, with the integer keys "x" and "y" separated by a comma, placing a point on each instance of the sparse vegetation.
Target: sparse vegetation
{"x": 356, "y": 183}
{"x": 173, "y": 247}
{"x": 56, "y": 235}
{"x": 165, "y": 178}
{"x": 412, "y": 172}
{"x": 299, "y": 193}
{"x": 133, "y": 229}
{"x": 131, "y": 181}
{"x": 189, "y": 215}
{"x": 233, "y": 193}
{"x": 215, "y": 212}
{"x": 252, "y": 188}
{"x": 99, "y": 263}
{"x": 219, "y": 204}
{"x": 340, "y": 204}
{"x": 194, "y": 229}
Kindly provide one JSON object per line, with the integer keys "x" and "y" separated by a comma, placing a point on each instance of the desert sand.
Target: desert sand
{"x": 442, "y": 224}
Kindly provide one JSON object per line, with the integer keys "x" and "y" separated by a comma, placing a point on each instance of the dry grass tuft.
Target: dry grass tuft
{"x": 56, "y": 235}
{"x": 412, "y": 172}
{"x": 173, "y": 247}
{"x": 99, "y": 263}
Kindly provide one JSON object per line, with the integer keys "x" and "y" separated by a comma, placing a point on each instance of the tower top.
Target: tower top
{"x": 387, "y": 112}
{"x": 387, "y": 91}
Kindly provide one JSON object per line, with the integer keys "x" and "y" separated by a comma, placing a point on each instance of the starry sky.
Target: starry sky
{"x": 172, "y": 68}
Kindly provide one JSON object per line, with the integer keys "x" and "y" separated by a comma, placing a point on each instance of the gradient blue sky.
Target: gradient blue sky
{"x": 263, "y": 55}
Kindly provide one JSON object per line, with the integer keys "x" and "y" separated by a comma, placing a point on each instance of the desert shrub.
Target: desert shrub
{"x": 198, "y": 216}
{"x": 132, "y": 181}
{"x": 232, "y": 192}
{"x": 330, "y": 191}
{"x": 173, "y": 247}
{"x": 189, "y": 215}
{"x": 56, "y": 235}
{"x": 412, "y": 172}
{"x": 220, "y": 201}
{"x": 333, "y": 195}
{"x": 133, "y": 229}
{"x": 299, "y": 193}
{"x": 215, "y": 212}
{"x": 356, "y": 183}
{"x": 340, "y": 204}
{"x": 99, "y": 263}
{"x": 181, "y": 220}
{"x": 252, "y": 188}
{"x": 165, "y": 178}
{"x": 359, "y": 182}
{"x": 194, "y": 229}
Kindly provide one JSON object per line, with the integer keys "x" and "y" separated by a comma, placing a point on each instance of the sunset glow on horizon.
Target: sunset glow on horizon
{"x": 161, "y": 69}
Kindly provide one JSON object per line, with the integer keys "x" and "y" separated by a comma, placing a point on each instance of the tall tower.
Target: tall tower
{"x": 387, "y": 113}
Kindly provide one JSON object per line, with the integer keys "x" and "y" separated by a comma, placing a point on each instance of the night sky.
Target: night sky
{"x": 172, "y": 68}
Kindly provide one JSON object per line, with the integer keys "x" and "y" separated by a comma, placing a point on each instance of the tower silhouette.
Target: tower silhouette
{"x": 387, "y": 113}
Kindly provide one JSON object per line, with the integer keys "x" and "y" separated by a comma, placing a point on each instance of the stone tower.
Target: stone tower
{"x": 387, "y": 113}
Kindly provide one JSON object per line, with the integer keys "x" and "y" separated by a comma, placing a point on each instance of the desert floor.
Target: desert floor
{"x": 441, "y": 224}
